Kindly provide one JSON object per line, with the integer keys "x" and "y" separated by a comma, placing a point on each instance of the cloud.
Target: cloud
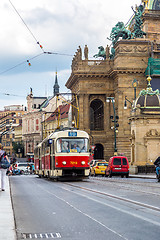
{"x": 60, "y": 26}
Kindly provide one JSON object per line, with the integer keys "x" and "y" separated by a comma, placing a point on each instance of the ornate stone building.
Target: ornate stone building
{"x": 10, "y": 118}
{"x": 38, "y": 110}
{"x": 145, "y": 127}
{"x": 103, "y": 86}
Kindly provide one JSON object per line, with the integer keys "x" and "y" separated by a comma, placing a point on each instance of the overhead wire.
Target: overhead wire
{"x": 26, "y": 26}
{"x": 9, "y": 94}
{"x": 20, "y": 63}
{"x": 44, "y": 52}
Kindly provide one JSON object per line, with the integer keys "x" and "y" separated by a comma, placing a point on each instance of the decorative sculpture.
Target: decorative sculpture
{"x": 107, "y": 52}
{"x": 101, "y": 53}
{"x": 138, "y": 33}
{"x": 119, "y": 31}
{"x": 86, "y": 52}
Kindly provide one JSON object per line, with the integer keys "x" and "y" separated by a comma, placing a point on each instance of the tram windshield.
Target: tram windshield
{"x": 72, "y": 145}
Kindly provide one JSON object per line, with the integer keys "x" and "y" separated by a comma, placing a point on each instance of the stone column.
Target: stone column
{"x": 84, "y": 112}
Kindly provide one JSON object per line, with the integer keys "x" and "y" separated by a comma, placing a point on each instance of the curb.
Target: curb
{"x": 7, "y": 223}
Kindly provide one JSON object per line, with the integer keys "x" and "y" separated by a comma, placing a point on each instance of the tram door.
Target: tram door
{"x": 99, "y": 151}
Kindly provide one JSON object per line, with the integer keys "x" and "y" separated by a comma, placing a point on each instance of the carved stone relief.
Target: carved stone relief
{"x": 132, "y": 49}
{"x": 95, "y": 85}
{"x": 153, "y": 133}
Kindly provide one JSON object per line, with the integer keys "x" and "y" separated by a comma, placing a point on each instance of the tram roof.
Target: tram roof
{"x": 65, "y": 133}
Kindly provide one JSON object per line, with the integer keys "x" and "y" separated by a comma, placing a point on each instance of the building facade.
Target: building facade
{"x": 10, "y": 118}
{"x": 103, "y": 86}
{"x": 38, "y": 110}
{"x": 61, "y": 118}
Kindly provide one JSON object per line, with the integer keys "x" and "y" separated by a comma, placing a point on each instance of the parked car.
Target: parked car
{"x": 93, "y": 163}
{"x": 21, "y": 165}
{"x": 118, "y": 165}
{"x": 99, "y": 168}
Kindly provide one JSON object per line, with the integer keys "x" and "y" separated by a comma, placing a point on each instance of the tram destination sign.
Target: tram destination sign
{"x": 72, "y": 134}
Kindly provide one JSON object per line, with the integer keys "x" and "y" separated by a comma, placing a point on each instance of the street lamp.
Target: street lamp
{"x": 125, "y": 102}
{"x": 134, "y": 85}
{"x": 115, "y": 121}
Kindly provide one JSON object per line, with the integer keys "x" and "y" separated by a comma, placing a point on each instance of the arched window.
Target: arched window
{"x": 96, "y": 115}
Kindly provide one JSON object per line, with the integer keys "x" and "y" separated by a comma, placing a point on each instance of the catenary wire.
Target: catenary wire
{"x": 26, "y": 25}
{"x": 9, "y": 69}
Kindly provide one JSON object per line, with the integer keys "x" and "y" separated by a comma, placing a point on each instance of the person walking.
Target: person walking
{"x": 157, "y": 164}
{"x": 2, "y": 170}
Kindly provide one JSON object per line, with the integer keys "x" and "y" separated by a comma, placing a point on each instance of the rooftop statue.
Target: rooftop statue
{"x": 86, "y": 52}
{"x": 119, "y": 31}
{"x": 101, "y": 53}
{"x": 137, "y": 30}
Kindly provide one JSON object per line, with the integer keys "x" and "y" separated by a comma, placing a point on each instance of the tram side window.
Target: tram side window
{"x": 72, "y": 145}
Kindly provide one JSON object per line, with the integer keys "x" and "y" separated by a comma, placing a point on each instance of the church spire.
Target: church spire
{"x": 56, "y": 86}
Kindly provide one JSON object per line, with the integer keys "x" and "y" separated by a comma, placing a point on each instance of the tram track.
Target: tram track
{"x": 112, "y": 196}
{"x": 132, "y": 186}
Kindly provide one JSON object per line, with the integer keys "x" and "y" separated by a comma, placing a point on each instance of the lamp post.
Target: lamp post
{"x": 134, "y": 85}
{"x": 116, "y": 125}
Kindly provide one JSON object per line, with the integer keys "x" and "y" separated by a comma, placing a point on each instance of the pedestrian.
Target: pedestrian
{"x": 157, "y": 164}
{"x": 2, "y": 170}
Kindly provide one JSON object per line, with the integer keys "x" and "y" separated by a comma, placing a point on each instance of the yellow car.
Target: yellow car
{"x": 99, "y": 168}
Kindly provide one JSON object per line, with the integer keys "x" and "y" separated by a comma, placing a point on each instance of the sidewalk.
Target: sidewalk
{"x": 7, "y": 226}
{"x": 143, "y": 175}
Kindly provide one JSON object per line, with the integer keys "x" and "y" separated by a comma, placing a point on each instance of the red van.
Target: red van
{"x": 118, "y": 165}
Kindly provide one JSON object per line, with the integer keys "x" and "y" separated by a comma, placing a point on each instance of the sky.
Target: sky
{"x": 60, "y": 26}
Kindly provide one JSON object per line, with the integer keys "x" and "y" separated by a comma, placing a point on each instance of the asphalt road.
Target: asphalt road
{"x": 99, "y": 208}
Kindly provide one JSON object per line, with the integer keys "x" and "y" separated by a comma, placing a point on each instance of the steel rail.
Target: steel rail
{"x": 116, "y": 197}
{"x": 130, "y": 187}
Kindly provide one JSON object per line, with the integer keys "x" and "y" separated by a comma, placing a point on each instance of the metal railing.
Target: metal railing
{"x": 146, "y": 169}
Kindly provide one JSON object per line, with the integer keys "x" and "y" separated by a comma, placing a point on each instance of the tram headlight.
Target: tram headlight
{"x": 64, "y": 163}
{"x": 83, "y": 162}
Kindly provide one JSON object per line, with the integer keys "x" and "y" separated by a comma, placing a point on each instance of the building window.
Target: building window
{"x": 37, "y": 124}
{"x": 96, "y": 115}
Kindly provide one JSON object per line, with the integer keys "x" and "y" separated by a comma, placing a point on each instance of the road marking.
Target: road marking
{"x": 119, "y": 209}
{"x": 118, "y": 234}
{"x": 41, "y": 235}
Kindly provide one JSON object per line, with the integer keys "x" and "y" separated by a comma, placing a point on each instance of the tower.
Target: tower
{"x": 56, "y": 86}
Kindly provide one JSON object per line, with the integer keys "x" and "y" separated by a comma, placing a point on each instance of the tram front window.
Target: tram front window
{"x": 72, "y": 145}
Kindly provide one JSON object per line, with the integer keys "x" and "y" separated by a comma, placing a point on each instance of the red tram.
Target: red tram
{"x": 63, "y": 154}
